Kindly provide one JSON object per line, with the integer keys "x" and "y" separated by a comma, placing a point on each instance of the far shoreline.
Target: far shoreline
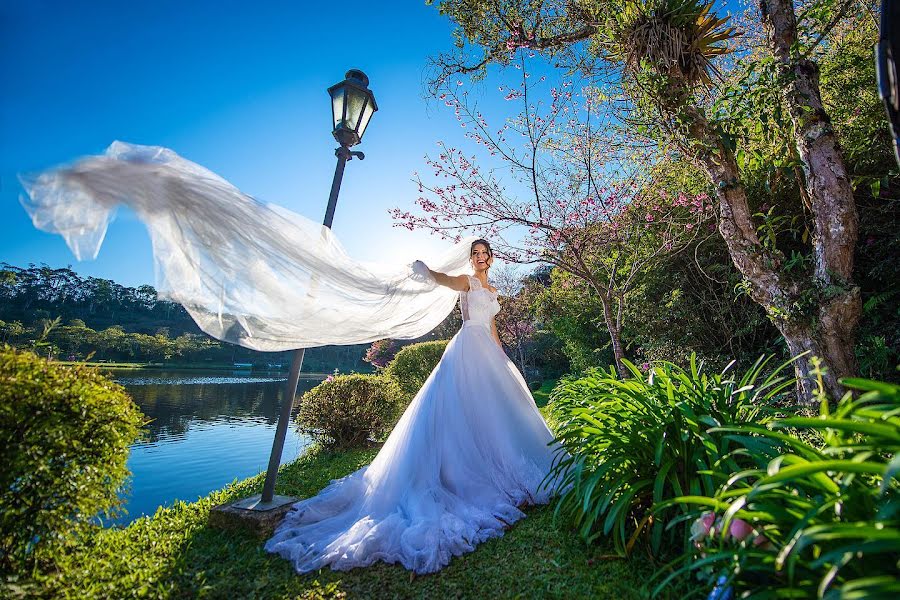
{"x": 183, "y": 367}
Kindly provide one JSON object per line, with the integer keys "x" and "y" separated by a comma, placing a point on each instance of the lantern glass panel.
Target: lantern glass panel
{"x": 356, "y": 99}
{"x": 337, "y": 106}
{"x": 364, "y": 121}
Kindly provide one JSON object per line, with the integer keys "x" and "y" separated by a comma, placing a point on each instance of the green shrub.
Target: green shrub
{"x": 811, "y": 521}
{"x": 65, "y": 433}
{"x": 638, "y": 441}
{"x": 349, "y": 410}
{"x": 413, "y": 364}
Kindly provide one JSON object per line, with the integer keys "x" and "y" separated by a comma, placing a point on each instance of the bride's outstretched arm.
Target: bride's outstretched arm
{"x": 459, "y": 283}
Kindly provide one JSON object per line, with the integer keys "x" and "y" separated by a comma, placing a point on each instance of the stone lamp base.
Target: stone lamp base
{"x": 251, "y": 514}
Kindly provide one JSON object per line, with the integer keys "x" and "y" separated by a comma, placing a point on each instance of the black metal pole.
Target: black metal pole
{"x": 290, "y": 389}
{"x": 343, "y": 155}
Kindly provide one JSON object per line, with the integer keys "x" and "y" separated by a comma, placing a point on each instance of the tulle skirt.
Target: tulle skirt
{"x": 470, "y": 449}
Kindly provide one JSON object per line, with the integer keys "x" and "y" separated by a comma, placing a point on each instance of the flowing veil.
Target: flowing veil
{"x": 248, "y": 272}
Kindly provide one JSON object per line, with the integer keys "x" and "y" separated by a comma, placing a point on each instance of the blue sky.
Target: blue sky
{"x": 237, "y": 87}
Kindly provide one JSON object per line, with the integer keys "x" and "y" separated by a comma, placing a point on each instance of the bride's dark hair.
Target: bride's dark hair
{"x": 487, "y": 245}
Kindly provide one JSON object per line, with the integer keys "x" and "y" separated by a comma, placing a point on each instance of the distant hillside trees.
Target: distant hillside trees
{"x": 66, "y": 316}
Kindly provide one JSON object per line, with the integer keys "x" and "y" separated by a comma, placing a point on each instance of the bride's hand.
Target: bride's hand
{"x": 421, "y": 271}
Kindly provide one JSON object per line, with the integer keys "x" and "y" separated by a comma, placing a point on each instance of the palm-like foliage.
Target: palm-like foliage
{"x": 638, "y": 441}
{"x": 830, "y": 514}
{"x": 677, "y": 39}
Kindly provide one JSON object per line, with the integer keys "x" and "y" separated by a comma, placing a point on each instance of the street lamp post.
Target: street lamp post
{"x": 352, "y": 105}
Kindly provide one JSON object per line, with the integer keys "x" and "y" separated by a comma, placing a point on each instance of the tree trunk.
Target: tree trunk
{"x": 827, "y": 342}
{"x": 820, "y": 331}
{"x": 828, "y": 186}
{"x": 613, "y": 326}
{"x": 615, "y": 336}
{"x": 521, "y": 354}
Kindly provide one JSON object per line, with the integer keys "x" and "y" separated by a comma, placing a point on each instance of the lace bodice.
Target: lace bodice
{"x": 479, "y": 304}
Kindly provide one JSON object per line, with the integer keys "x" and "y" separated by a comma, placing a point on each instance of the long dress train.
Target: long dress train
{"x": 467, "y": 452}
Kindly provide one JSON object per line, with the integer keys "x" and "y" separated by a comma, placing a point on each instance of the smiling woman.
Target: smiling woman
{"x": 470, "y": 451}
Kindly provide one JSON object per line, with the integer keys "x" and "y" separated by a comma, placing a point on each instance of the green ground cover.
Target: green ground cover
{"x": 175, "y": 554}
{"x": 542, "y": 395}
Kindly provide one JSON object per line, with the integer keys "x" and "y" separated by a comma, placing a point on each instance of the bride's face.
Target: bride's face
{"x": 481, "y": 258}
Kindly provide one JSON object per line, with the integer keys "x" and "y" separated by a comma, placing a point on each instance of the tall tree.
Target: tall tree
{"x": 664, "y": 51}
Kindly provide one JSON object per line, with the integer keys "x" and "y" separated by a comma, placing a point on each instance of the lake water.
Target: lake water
{"x": 207, "y": 429}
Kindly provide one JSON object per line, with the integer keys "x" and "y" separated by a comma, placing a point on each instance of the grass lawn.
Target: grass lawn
{"x": 174, "y": 554}
{"x": 542, "y": 396}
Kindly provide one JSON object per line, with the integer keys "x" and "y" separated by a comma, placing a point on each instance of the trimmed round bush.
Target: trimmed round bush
{"x": 349, "y": 410}
{"x": 65, "y": 434}
{"x": 413, "y": 364}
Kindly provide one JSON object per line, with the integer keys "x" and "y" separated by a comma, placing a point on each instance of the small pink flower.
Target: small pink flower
{"x": 702, "y": 527}
{"x": 762, "y": 542}
{"x": 739, "y": 529}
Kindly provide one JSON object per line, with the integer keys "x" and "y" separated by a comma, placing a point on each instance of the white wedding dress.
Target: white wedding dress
{"x": 469, "y": 450}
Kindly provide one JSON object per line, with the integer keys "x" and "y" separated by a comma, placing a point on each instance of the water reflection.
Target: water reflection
{"x": 205, "y": 430}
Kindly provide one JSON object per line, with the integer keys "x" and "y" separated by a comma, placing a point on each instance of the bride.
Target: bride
{"x": 469, "y": 451}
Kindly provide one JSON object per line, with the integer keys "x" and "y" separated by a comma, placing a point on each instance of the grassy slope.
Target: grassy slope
{"x": 542, "y": 396}
{"x": 174, "y": 554}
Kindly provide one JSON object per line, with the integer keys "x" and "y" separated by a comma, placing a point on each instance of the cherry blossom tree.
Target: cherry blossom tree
{"x": 516, "y": 320}
{"x": 556, "y": 184}
{"x": 380, "y": 353}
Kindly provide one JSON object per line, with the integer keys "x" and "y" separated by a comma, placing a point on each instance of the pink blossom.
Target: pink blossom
{"x": 739, "y": 529}
{"x": 702, "y": 527}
